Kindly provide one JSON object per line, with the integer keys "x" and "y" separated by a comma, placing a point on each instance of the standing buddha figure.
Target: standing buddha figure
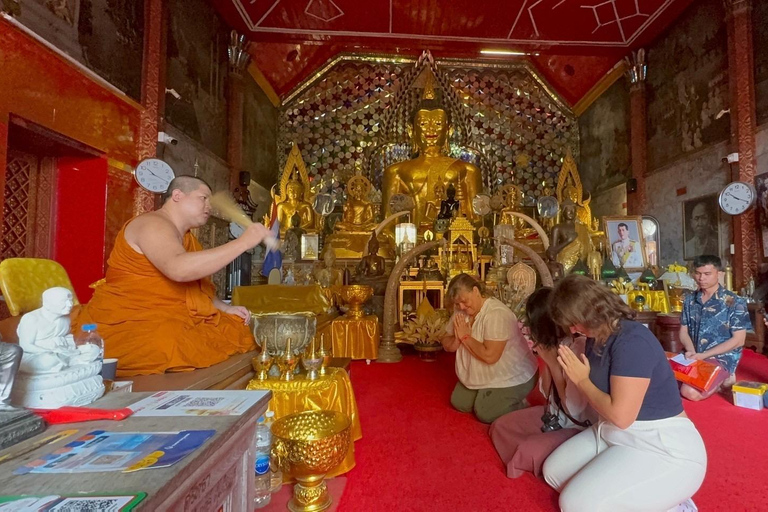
{"x": 417, "y": 177}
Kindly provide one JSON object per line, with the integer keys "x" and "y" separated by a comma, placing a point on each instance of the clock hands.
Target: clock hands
{"x": 738, "y": 198}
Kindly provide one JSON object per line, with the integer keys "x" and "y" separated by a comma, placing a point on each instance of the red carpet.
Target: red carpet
{"x": 418, "y": 454}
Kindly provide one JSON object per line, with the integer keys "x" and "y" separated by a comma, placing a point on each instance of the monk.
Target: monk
{"x": 157, "y": 310}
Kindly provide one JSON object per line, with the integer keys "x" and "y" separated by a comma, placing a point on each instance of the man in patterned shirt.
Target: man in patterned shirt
{"x": 714, "y": 323}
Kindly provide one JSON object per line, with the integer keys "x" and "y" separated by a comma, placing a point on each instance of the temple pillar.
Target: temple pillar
{"x": 238, "y": 64}
{"x": 152, "y": 93}
{"x": 742, "y": 109}
{"x": 638, "y": 115}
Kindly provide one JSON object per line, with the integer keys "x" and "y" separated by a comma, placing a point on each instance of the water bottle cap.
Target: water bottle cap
{"x": 270, "y": 414}
{"x": 260, "y": 420}
{"x": 89, "y": 327}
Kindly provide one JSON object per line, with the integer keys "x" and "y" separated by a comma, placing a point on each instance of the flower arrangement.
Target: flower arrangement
{"x": 426, "y": 330}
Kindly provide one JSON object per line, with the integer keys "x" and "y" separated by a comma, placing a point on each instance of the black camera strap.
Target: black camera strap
{"x": 558, "y": 403}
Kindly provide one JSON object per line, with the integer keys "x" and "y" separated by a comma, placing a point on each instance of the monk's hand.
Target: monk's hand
{"x": 576, "y": 371}
{"x": 239, "y": 311}
{"x": 255, "y": 234}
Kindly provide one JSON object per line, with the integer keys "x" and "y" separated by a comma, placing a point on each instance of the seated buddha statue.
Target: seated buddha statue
{"x": 570, "y": 241}
{"x": 512, "y": 200}
{"x": 294, "y": 202}
{"x": 433, "y": 206}
{"x": 358, "y": 214}
{"x": 449, "y": 207}
{"x": 418, "y": 176}
{"x": 372, "y": 265}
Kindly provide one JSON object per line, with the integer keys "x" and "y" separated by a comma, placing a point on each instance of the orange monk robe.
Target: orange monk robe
{"x": 152, "y": 324}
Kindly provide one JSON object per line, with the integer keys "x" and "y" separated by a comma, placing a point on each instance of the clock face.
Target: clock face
{"x": 737, "y": 197}
{"x": 547, "y": 206}
{"x": 154, "y": 175}
{"x": 235, "y": 229}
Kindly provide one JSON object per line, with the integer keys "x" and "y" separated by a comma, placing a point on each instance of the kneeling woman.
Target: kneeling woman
{"x": 644, "y": 454}
{"x": 525, "y": 438}
{"x": 495, "y": 367}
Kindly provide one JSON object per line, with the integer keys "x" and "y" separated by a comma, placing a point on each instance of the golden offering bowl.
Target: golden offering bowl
{"x": 308, "y": 445}
{"x": 355, "y": 296}
{"x": 261, "y": 364}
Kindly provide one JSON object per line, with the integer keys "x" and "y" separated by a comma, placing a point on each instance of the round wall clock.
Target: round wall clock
{"x": 235, "y": 229}
{"x": 737, "y": 197}
{"x": 154, "y": 175}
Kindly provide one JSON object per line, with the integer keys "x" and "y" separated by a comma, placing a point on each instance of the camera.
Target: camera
{"x": 550, "y": 422}
{"x": 167, "y": 139}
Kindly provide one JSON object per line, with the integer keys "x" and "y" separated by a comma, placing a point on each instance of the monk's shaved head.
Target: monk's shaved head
{"x": 185, "y": 184}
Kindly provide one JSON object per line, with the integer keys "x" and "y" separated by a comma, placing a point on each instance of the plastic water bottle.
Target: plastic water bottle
{"x": 90, "y": 335}
{"x": 276, "y": 474}
{"x": 261, "y": 468}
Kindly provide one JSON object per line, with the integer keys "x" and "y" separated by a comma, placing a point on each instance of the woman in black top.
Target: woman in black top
{"x": 644, "y": 454}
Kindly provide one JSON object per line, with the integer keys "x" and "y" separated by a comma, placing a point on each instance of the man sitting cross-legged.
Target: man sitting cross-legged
{"x": 157, "y": 309}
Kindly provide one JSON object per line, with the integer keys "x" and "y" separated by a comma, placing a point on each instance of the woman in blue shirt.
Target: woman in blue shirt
{"x": 644, "y": 454}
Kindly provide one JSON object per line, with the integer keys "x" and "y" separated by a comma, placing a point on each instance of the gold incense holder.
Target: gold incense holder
{"x": 287, "y": 362}
{"x": 261, "y": 364}
{"x": 325, "y": 357}
{"x": 308, "y": 445}
{"x": 312, "y": 361}
{"x": 355, "y": 296}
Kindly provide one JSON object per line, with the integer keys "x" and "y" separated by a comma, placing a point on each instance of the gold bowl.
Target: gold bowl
{"x": 308, "y": 445}
{"x": 355, "y": 296}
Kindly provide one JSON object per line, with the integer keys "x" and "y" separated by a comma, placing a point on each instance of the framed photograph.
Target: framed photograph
{"x": 701, "y": 227}
{"x": 761, "y": 186}
{"x": 625, "y": 239}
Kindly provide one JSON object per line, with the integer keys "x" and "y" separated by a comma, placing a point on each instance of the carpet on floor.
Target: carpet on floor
{"x": 418, "y": 454}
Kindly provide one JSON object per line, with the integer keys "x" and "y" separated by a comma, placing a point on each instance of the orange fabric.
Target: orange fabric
{"x": 152, "y": 324}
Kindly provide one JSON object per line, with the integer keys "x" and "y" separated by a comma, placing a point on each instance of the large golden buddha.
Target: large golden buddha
{"x": 419, "y": 176}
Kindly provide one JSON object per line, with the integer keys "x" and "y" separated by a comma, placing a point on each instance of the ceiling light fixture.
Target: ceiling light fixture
{"x": 507, "y": 53}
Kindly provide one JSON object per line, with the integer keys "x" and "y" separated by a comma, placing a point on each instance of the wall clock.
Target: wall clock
{"x": 154, "y": 175}
{"x": 547, "y": 207}
{"x": 737, "y": 197}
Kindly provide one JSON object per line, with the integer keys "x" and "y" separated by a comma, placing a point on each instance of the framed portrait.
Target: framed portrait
{"x": 761, "y": 187}
{"x": 701, "y": 227}
{"x": 652, "y": 240}
{"x": 626, "y": 242}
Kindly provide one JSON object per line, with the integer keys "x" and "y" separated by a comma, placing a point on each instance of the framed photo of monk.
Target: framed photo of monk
{"x": 761, "y": 186}
{"x": 701, "y": 227}
{"x": 625, "y": 239}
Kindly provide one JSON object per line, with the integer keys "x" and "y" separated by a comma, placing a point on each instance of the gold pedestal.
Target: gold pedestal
{"x": 308, "y": 445}
{"x": 355, "y": 296}
{"x": 354, "y": 245}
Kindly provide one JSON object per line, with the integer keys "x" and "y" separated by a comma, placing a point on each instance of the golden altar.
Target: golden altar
{"x": 332, "y": 391}
{"x": 354, "y": 338}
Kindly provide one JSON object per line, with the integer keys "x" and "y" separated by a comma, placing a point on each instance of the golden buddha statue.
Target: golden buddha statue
{"x": 358, "y": 214}
{"x": 569, "y": 187}
{"x": 295, "y": 196}
{"x": 570, "y": 241}
{"x": 418, "y": 177}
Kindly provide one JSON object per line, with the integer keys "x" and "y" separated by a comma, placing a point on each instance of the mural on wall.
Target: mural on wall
{"x": 107, "y": 36}
{"x": 688, "y": 85}
{"x": 512, "y": 120}
{"x": 259, "y": 135}
{"x": 604, "y": 135}
{"x": 759, "y": 43}
{"x": 196, "y": 69}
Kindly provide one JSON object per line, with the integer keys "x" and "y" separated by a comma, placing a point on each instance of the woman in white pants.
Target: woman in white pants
{"x": 645, "y": 454}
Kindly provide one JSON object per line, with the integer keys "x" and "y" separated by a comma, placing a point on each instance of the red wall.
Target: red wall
{"x": 79, "y": 221}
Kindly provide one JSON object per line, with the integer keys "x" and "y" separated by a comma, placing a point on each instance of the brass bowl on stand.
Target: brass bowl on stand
{"x": 308, "y": 445}
{"x": 355, "y": 296}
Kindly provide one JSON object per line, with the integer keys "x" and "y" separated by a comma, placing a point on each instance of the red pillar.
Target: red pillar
{"x": 152, "y": 93}
{"x": 742, "y": 96}
{"x": 638, "y": 113}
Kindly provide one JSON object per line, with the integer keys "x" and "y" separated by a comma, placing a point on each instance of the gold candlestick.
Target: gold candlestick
{"x": 287, "y": 362}
{"x": 325, "y": 356}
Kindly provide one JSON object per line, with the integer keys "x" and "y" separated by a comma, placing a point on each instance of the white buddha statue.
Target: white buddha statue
{"x": 54, "y": 371}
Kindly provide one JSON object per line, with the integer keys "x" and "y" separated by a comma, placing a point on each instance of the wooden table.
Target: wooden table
{"x": 217, "y": 476}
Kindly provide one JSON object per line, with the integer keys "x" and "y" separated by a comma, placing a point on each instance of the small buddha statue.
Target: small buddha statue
{"x": 329, "y": 275}
{"x": 570, "y": 241}
{"x": 292, "y": 243}
{"x": 372, "y": 265}
{"x": 449, "y": 207}
{"x": 433, "y": 206}
{"x": 358, "y": 214}
{"x": 54, "y": 371}
{"x": 294, "y": 203}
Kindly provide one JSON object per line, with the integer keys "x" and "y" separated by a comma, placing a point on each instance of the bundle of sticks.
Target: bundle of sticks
{"x": 226, "y": 208}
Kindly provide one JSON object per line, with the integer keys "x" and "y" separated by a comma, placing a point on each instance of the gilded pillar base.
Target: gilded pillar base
{"x": 389, "y": 353}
